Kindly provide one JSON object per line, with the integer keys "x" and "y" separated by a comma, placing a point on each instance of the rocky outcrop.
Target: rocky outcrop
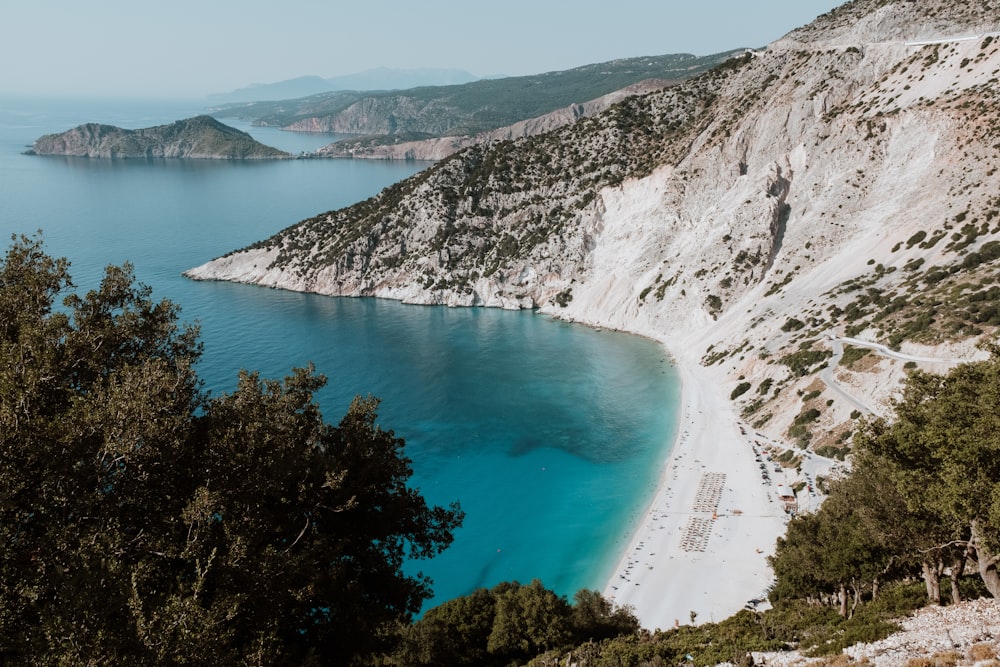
{"x": 200, "y": 137}
{"x": 841, "y": 180}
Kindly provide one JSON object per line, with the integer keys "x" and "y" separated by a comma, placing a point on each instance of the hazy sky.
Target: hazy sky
{"x": 191, "y": 48}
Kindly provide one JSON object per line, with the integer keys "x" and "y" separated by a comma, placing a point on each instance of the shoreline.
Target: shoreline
{"x": 677, "y": 558}
{"x": 702, "y": 542}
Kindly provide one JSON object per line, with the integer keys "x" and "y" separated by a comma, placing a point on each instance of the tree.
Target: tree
{"x": 862, "y": 535}
{"x": 594, "y": 618}
{"x": 837, "y": 551}
{"x": 510, "y": 623}
{"x": 907, "y": 540}
{"x": 453, "y": 633}
{"x": 87, "y": 394}
{"x": 529, "y": 620}
{"x": 797, "y": 561}
{"x": 943, "y": 455}
{"x": 142, "y": 521}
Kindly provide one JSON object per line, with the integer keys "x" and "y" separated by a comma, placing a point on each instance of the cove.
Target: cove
{"x": 550, "y": 435}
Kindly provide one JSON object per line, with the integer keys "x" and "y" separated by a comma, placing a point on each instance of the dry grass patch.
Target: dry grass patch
{"x": 982, "y": 652}
{"x": 942, "y": 659}
{"x": 867, "y": 364}
{"x": 833, "y": 437}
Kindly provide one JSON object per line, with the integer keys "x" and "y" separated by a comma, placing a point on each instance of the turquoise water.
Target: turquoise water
{"x": 550, "y": 435}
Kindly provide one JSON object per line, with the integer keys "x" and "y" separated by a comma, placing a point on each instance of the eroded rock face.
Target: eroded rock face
{"x": 200, "y": 137}
{"x": 834, "y": 181}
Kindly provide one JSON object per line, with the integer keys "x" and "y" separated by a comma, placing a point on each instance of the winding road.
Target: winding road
{"x": 837, "y": 345}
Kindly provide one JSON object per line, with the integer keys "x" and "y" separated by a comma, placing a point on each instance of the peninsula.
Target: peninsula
{"x": 201, "y": 137}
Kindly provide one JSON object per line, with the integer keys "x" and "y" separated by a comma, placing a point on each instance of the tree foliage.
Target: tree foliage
{"x": 943, "y": 455}
{"x": 922, "y": 497}
{"x": 144, "y": 522}
{"x": 509, "y": 624}
{"x": 860, "y": 535}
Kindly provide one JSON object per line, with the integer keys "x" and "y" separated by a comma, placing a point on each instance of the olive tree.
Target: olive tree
{"x": 942, "y": 452}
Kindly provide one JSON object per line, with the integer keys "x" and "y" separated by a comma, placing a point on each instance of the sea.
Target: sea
{"x": 550, "y": 435}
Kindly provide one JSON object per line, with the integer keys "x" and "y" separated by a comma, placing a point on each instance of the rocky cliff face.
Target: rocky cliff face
{"x": 843, "y": 180}
{"x": 200, "y": 137}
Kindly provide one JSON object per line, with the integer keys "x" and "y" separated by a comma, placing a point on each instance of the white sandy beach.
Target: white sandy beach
{"x": 690, "y": 553}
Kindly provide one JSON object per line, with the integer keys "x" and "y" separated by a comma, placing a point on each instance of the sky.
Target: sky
{"x": 193, "y": 48}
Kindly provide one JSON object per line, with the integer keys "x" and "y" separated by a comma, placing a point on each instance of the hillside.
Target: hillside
{"x": 963, "y": 634}
{"x": 466, "y": 109}
{"x": 200, "y": 137}
{"x": 840, "y": 180}
{"x": 414, "y": 147}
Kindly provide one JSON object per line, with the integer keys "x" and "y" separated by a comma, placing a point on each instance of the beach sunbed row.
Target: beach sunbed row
{"x": 696, "y": 534}
{"x": 709, "y": 492}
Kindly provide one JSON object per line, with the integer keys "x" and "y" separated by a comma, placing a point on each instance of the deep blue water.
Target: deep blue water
{"x": 550, "y": 435}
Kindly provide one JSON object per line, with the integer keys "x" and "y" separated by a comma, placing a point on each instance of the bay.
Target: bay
{"x": 550, "y": 435}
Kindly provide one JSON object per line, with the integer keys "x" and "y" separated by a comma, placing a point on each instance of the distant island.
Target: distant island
{"x": 201, "y": 137}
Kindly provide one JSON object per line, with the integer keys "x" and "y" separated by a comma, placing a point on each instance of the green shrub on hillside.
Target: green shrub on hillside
{"x": 802, "y": 363}
{"x": 740, "y": 389}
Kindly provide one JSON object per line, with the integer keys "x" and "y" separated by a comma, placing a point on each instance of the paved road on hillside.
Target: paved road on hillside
{"x": 837, "y": 345}
{"x": 826, "y": 375}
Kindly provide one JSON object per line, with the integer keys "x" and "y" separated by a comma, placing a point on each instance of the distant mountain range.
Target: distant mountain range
{"x": 379, "y": 78}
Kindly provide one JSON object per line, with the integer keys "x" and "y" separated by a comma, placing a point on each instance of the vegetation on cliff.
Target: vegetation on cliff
{"x": 494, "y": 205}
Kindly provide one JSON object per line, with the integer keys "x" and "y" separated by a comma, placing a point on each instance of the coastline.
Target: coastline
{"x": 678, "y": 558}
{"x": 702, "y": 543}
{"x": 681, "y": 556}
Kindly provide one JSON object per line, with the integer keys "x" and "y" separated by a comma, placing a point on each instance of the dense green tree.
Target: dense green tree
{"x": 829, "y": 553}
{"x": 922, "y": 495}
{"x": 797, "y": 561}
{"x": 88, "y": 393}
{"x": 854, "y": 553}
{"x": 907, "y": 540}
{"x": 833, "y": 553}
{"x": 943, "y": 455}
{"x": 594, "y": 617}
{"x": 143, "y": 522}
{"x": 529, "y": 620}
{"x": 453, "y": 633}
{"x": 862, "y": 535}
{"x": 509, "y": 624}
